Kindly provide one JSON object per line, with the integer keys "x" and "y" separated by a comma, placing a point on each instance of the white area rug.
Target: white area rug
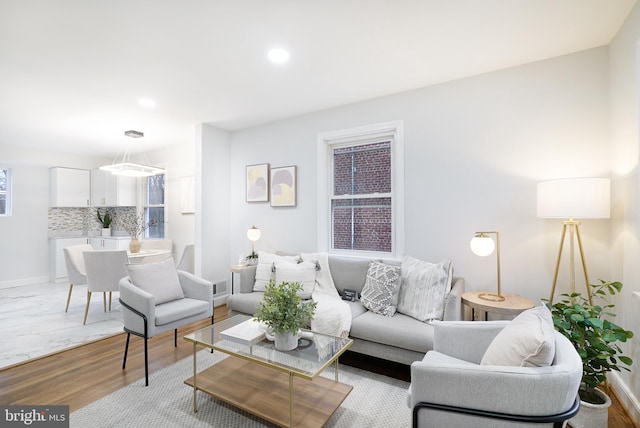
{"x": 375, "y": 401}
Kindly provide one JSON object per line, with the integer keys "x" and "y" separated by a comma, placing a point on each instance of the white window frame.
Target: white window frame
{"x": 9, "y": 193}
{"x": 391, "y": 131}
{"x": 146, "y": 204}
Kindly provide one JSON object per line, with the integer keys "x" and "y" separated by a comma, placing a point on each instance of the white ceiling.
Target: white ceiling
{"x": 71, "y": 71}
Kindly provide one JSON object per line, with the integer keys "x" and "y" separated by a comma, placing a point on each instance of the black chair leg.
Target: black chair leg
{"x": 146, "y": 364}
{"x": 126, "y": 349}
{"x": 175, "y": 338}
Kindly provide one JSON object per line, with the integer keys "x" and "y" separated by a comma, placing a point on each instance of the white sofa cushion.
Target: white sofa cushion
{"x": 303, "y": 273}
{"x": 527, "y": 341}
{"x": 265, "y": 270}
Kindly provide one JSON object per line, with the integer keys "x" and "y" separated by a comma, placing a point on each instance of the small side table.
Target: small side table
{"x": 512, "y": 304}
{"x": 235, "y": 269}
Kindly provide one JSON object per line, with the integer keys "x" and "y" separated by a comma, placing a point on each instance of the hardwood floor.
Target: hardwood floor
{"x": 81, "y": 375}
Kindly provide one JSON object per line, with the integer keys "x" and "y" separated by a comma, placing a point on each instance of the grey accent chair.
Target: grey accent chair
{"x": 105, "y": 268}
{"x": 187, "y": 260}
{"x": 76, "y": 271}
{"x": 144, "y": 318}
{"x": 449, "y": 387}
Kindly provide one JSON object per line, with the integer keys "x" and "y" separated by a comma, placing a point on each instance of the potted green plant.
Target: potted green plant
{"x": 596, "y": 340}
{"x": 105, "y": 221}
{"x": 284, "y": 313}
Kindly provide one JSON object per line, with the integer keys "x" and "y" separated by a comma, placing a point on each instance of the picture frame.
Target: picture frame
{"x": 283, "y": 186}
{"x": 257, "y": 183}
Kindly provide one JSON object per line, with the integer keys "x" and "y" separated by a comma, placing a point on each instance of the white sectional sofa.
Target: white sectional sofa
{"x": 398, "y": 338}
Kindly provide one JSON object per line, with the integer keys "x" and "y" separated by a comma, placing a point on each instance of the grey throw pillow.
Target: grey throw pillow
{"x": 159, "y": 279}
{"x": 380, "y": 291}
{"x": 423, "y": 288}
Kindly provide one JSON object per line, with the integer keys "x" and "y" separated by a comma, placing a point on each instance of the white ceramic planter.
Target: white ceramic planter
{"x": 592, "y": 415}
{"x": 286, "y": 341}
{"x": 106, "y": 231}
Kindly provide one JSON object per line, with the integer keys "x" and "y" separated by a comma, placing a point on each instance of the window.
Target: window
{"x": 5, "y": 192}
{"x": 154, "y": 206}
{"x": 361, "y": 190}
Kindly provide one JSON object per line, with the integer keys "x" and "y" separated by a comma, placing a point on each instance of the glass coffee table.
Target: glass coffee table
{"x": 260, "y": 379}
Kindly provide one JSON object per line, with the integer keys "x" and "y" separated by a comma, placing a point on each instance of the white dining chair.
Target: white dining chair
{"x": 187, "y": 260}
{"x": 76, "y": 272}
{"x": 104, "y": 271}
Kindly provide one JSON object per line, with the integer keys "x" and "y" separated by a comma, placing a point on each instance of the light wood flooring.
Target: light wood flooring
{"x": 78, "y": 376}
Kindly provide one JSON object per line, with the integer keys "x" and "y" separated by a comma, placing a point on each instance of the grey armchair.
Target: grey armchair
{"x": 450, "y": 388}
{"x": 145, "y": 318}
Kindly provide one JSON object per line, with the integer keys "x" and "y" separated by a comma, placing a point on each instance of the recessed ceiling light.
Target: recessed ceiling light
{"x": 278, "y": 55}
{"x": 147, "y": 102}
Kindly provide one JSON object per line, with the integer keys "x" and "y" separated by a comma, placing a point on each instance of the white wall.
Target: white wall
{"x": 212, "y": 204}
{"x": 24, "y": 244}
{"x": 474, "y": 151}
{"x": 624, "y": 54}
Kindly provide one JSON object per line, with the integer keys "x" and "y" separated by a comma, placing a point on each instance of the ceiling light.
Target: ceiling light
{"x": 124, "y": 165}
{"x": 147, "y": 102}
{"x": 278, "y": 56}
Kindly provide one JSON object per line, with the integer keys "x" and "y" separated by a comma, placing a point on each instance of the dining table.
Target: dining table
{"x": 148, "y": 256}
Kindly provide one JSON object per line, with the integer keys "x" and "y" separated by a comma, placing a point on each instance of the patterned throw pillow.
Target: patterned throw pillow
{"x": 423, "y": 288}
{"x": 380, "y": 292}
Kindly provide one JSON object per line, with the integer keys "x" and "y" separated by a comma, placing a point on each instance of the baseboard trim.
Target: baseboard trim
{"x": 24, "y": 281}
{"x": 626, "y": 397}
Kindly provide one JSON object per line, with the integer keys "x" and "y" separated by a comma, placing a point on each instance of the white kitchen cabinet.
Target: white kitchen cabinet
{"x": 57, "y": 266}
{"x": 108, "y": 190}
{"x": 110, "y": 243}
{"x": 70, "y": 187}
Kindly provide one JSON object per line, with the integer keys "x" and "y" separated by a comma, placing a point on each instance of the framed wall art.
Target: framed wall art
{"x": 257, "y": 183}
{"x": 283, "y": 186}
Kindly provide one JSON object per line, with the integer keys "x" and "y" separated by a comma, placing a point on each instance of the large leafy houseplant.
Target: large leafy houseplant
{"x": 283, "y": 310}
{"x": 594, "y": 337}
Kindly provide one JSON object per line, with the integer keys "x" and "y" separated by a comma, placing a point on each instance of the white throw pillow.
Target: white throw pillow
{"x": 303, "y": 273}
{"x": 265, "y": 270}
{"x": 527, "y": 341}
{"x": 424, "y": 287}
{"x": 324, "y": 280}
{"x": 159, "y": 279}
{"x": 380, "y": 291}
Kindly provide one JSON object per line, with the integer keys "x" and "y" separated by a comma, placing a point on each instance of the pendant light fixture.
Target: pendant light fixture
{"x": 125, "y": 165}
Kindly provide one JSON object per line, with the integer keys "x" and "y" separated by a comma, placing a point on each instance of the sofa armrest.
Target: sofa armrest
{"x": 195, "y": 287}
{"x": 247, "y": 279}
{"x": 453, "y": 310}
{"x": 466, "y": 340}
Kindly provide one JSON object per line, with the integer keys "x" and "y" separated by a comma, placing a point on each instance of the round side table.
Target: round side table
{"x": 512, "y": 304}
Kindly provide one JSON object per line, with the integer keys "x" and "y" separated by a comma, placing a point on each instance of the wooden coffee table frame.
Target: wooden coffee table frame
{"x": 268, "y": 390}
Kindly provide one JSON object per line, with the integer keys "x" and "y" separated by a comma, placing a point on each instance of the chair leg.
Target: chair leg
{"x": 109, "y": 301}
{"x": 126, "y": 350}
{"x": 146, "y": 364}
{"x": 104, "y": 300}
{"x": 69, "y": 297}
{"x": 86, "y": 310}
{"x": 175, "y": 338}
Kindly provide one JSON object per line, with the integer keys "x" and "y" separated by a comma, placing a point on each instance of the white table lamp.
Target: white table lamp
{"x": 482, "y": 245}
{"x": 253, "y": 233}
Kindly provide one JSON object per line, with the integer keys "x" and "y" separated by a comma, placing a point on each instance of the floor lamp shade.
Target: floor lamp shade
{"x": 574, "y": 198}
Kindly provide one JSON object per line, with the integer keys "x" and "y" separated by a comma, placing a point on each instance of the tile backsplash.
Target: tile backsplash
{"x": 73, "y": 220}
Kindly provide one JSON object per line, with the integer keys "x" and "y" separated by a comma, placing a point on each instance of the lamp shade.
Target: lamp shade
{"x": 574, "y": 198}
{"x": 253, "y": 233}
{"x": 482, "y": 245}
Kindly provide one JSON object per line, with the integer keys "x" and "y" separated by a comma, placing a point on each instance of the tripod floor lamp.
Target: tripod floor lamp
{"x": 573, "y": 198}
